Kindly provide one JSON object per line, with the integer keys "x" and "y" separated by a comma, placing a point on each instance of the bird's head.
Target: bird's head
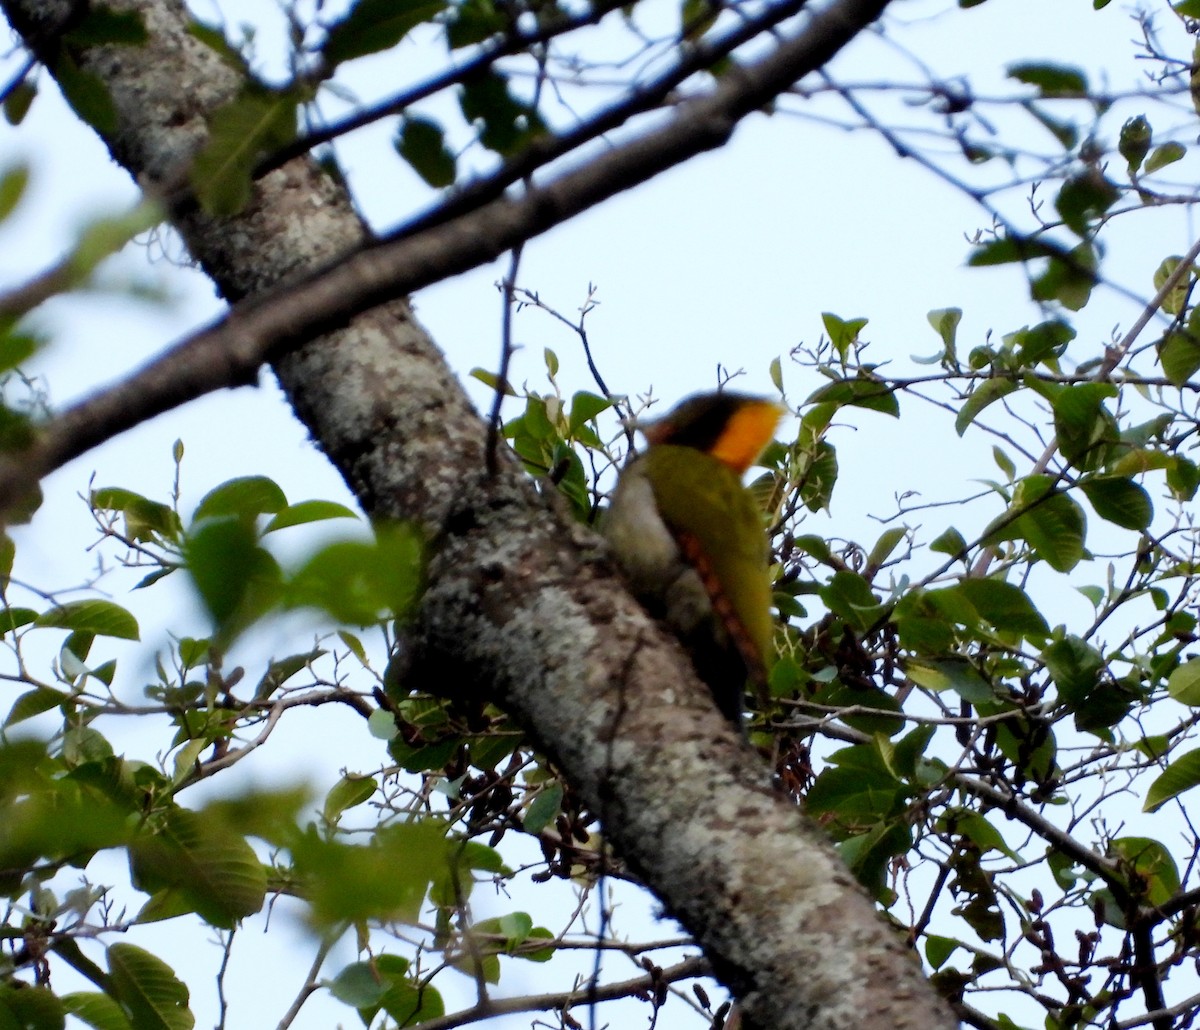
{"x": 732, "y": 427}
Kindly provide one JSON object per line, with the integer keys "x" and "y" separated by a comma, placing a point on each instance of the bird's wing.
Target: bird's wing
{"x": 720, "y": 530}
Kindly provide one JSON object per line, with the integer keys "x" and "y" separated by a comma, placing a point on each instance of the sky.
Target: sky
{"x": 729, "y": 260}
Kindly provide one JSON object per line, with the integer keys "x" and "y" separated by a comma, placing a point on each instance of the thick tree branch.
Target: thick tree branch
{"x": 521, "y": 605}
{"x": 231, "y": 351}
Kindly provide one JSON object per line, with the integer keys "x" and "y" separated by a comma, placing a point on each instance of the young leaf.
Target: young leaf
{"x": 945, "y": 322}
{"x": 1164, "y": 155}
{"x": 843, "y": 333}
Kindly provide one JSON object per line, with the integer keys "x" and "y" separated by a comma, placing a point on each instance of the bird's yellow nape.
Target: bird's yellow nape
{"x": 750, "y": 427}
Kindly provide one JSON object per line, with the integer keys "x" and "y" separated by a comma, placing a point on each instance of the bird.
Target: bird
{"x": 690, "y": 540}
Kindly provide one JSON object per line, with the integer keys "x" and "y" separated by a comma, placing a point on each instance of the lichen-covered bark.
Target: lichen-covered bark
{"x": 521, "y": 604}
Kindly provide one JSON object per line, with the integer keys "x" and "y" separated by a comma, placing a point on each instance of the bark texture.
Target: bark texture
{"x": 522, "y": 605}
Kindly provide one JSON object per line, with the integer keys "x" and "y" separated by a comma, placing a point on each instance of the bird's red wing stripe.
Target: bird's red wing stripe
{"x": 694, "y": 553}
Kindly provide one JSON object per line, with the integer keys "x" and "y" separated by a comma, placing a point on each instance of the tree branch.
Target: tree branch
{"x": 558, "y": 1001}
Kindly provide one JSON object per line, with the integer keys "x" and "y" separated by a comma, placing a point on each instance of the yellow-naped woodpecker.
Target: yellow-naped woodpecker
{"x": 690, "y": 539}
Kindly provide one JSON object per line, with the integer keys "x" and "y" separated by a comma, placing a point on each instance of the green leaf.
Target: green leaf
{"x": 148, "y": 989}
{"x": 1179, "y": 353}
{"x": 1183, "y": 477}
{"x": 988, "y": 392}
{"x": 1119, "y": 500}
{"x": 1076, "y": 668}
{"x": 422, "y": 143}
{"x": 282, "y": 670}
{"x": 856, "y": 796}
{"x": 1008, "y": 249}
{"x": 862, "y": 392}
{"x": 202, "y": 864}
{"x": 1134, "y": 142}
{"x": 13, "y": 182}
{"x": 475, "y": 21}
{"x": 305, "y": 512}
{"x": 382, "y": 724}
{"x": 1164, "y": 155}
{"x": 1065, "y": 132}
{"x": 1155, "y": 879}
{"x": 955, "y": 674}
{"x": 1184, "y": 683}
{"x": 869, "y": 855}
{"x": 849, "y": 595}
{"x": 348, "y": 792}
{"x": 1052, "y": 80}
{"x": 246, "y": 496}
{"x": 1047, "y": 519}
{"x": 974, "y": 827}
{"x": 585, "y": 407}
{"x": 1083, "y": 199}
{"x": 411, "y": 1004}
{"x": 1175, "y": 299}
{"x": 18, "y": 101}
{"x": 374, "y": 25}
{"x": 885, "y": 545}
{"x": 357, "y": 581}
{"x": 98, "y": 1011}
{"x": 87, "y": 94}
{"x": 386, "y": 879}
{"x": 1180, "y": 776}
{"x": 143, "y": 517}
{"x": 506, "y": 123}
{"x": 34, "y": 702}
{"x": 102, "y": 618}
{"x": 939, "y": 949}
{"x": 241, "y": 132}
{"x": 237, "y": 580}
{"x": 1045, "y": 342}
{"x": 1068, "y": 278}
{"x": 950, "y": 542}
{"x": 359, "y": 985}
{"x": 843, "y": 333}
{"x": 945, "y": 323}
{"x": 1006, "y": 606}
{"x": 1085, "y": 429}
{"x": 544, "y": 809}
{"x": 30, "y": 1008}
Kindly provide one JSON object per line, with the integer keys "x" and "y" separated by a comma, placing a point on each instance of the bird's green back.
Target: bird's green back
{"x": 702, "y": 496}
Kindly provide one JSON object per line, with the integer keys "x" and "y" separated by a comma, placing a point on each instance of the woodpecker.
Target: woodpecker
{"x": 690, "y": 541}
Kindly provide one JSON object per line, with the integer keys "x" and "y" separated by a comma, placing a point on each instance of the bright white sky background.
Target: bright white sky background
{"x": 728, "y": 260}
